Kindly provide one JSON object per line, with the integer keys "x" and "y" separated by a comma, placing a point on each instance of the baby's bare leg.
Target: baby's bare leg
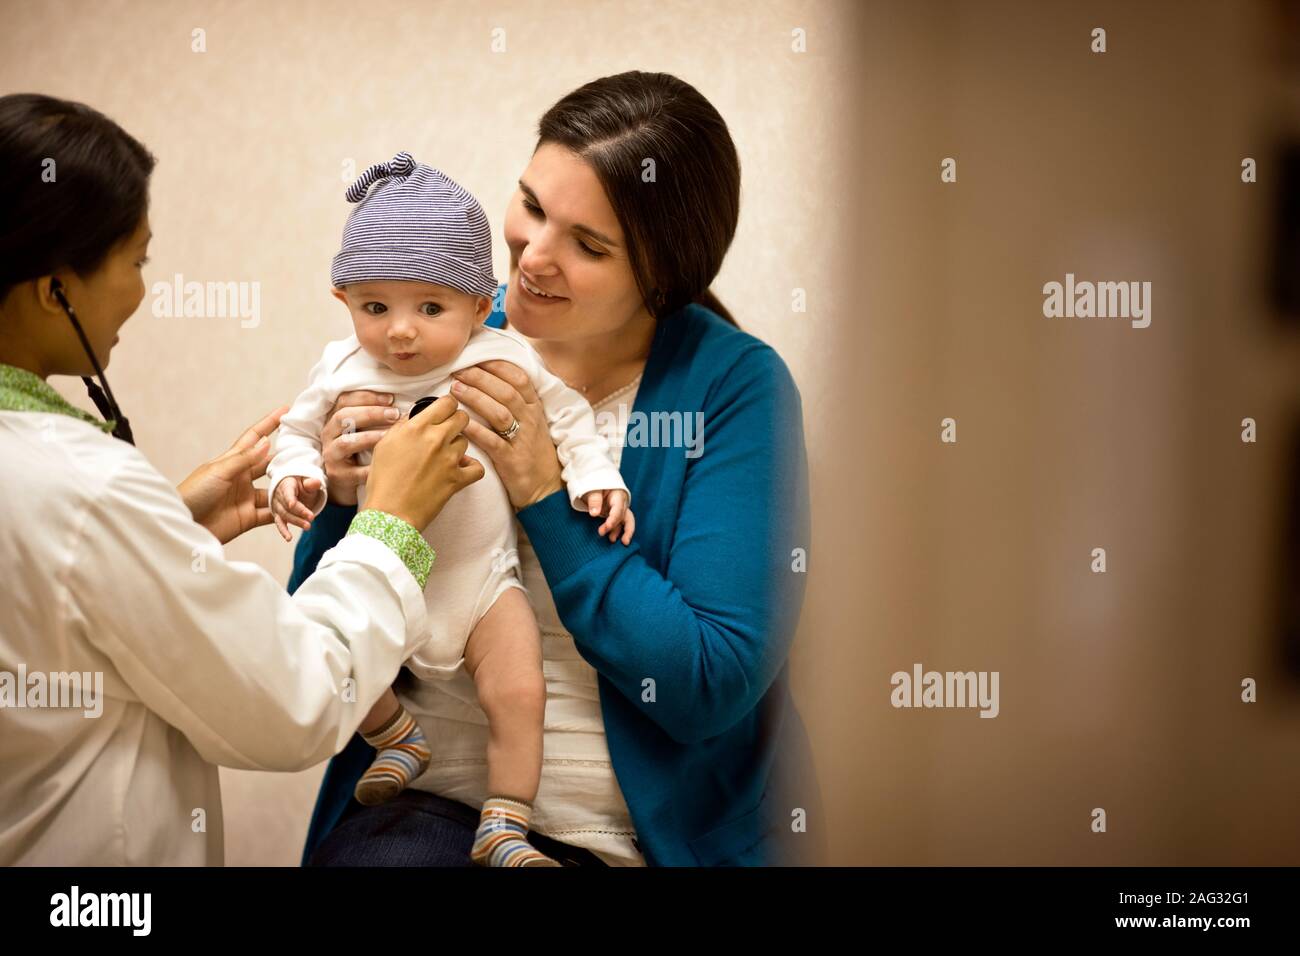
{"x": 381, "y": 713}
{"x": 504, "y": 656}
{"x": 403, "y": 752}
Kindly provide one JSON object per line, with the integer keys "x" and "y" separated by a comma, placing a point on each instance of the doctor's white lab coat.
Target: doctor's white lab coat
{"x": 204, "y": 661}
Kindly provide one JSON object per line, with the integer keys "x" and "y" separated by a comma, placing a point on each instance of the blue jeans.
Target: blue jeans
{"x": 416, "y": 828}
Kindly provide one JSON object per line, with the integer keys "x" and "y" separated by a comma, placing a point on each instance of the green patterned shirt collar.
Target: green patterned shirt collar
{"x": 23, "y": 391}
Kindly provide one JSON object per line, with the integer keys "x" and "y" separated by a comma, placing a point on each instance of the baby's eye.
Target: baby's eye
{"x": 142, "y": 263}
{"x": 379, "y": 308}
{"x": 431, "y": 308}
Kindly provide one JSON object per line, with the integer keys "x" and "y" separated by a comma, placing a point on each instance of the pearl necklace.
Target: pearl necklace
{"x": 586, "y": 389}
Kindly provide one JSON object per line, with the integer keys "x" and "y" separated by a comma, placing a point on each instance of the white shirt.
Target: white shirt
{"x": 203, "y": 661}
{"x": 578, "y": 801}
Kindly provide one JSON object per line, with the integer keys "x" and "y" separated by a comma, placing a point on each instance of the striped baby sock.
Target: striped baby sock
{"x": 502, "y": 837}
{"x": 403, "y": 756}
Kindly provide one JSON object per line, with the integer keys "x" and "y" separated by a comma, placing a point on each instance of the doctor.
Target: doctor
{"x": 114, "y": 576}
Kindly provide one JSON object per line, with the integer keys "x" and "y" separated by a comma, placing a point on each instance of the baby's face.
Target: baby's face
{"x": 412, "y": 327}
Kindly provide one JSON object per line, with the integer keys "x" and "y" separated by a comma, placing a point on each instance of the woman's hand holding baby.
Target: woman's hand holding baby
{"x": 357, "y": 423}
{"x": 501, "y": 392}
{"x": 527, "y": 464}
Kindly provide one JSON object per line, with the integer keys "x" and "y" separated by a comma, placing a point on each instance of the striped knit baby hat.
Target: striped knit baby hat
{"x": 412, "y": 222}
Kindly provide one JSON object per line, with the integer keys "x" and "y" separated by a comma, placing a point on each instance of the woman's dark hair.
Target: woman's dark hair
{"x": 68, "y": 213}
{"x": 680, "y": 224}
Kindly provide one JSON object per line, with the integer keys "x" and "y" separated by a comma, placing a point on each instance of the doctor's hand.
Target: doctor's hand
{"x": 420, "y": 463}
{"x": 220, "y": 494}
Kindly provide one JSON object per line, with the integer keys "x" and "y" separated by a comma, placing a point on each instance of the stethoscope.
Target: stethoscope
{"x": 103, "y": 398}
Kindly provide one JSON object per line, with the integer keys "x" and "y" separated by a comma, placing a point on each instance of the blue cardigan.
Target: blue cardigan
{"x": 690, "y": 626}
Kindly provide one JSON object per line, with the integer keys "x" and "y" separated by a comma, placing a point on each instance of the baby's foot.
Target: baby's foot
{"x": 403, "y": 756}
{"x": 502, "y": 837}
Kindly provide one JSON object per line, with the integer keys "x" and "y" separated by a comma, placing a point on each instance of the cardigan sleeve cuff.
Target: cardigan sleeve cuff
{"x": 400, "y": 538}
{"x": 564, "y": 539}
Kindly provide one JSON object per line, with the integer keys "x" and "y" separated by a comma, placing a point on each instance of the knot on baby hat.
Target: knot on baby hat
{"x": 400, "y": 165}
{"x": 415, "y": 223}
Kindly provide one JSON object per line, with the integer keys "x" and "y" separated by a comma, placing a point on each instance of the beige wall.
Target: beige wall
{"x": 1117, "y": 690}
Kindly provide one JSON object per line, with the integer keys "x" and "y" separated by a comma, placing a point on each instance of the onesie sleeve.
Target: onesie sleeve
{"x": 297, "y": 443}
{"x": 585, "y": 462}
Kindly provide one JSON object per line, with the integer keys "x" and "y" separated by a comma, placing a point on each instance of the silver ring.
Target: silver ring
{"x": 509, "y": 433}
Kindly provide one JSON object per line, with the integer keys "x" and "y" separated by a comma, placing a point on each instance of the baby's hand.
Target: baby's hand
{"x": 287, "y": 505}
{"x": 614, "y": 505}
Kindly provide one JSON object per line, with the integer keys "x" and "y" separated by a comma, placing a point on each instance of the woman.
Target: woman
{"x": 134, "y": 657}
{"x": 670, "y": 735}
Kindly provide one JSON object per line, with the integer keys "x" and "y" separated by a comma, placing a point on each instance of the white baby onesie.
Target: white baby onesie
{"x": 474, "y": 535}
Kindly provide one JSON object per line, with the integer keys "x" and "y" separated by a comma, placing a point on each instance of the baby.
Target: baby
{"x": 415, "y": 272}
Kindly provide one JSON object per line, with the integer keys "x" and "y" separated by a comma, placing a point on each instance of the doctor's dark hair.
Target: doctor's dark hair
{"x": 679, "y": 226}
{"x": 99, "y": 192}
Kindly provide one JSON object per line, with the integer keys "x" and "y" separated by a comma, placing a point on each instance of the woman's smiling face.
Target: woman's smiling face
{"x": 565, "y": 240}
